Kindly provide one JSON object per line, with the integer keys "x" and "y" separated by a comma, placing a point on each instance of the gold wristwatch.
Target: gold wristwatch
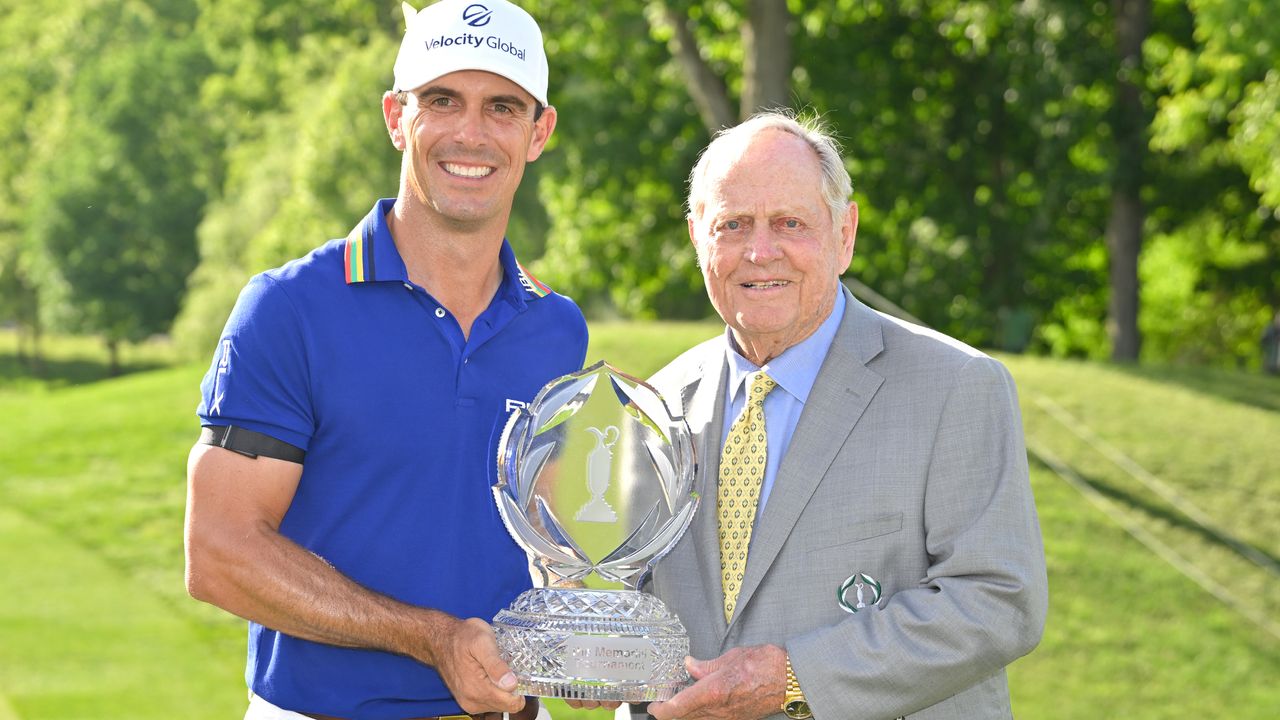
{"x": 794, "y": 705}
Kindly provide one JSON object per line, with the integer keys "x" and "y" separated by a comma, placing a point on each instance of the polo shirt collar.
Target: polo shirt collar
{"x": 796, "y": 369}
{"x": 370, "y": 255}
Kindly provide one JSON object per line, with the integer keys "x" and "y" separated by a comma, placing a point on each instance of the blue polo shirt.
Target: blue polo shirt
{"x": 341, "y": 355}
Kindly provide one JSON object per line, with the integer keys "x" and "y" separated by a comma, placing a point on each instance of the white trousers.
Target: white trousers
{"x": 260, "y": 709}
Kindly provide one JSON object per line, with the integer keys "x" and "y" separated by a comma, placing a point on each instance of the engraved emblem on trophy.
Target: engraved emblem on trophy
{"x": 595, "y": 483}
{"x": 599, "y": 464}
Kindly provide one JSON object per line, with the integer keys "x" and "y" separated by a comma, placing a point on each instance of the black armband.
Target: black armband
{"x": 250, "y": 443}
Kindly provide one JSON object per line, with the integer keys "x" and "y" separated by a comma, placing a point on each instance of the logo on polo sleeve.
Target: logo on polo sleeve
{"x": 220, "y": 378}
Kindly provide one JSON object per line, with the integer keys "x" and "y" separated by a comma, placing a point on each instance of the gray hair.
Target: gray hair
{"x": 836, "y": 186}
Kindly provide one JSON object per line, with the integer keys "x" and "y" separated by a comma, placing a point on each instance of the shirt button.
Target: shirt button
{"x": 439, "y": 312}
{"x": 407, "y": 286}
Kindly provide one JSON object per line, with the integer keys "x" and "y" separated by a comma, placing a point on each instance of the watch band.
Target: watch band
{"x": 794, "y": 704}
{"x": 793, "y": 683}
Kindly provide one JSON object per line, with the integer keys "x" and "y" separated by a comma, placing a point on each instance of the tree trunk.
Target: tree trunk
{"x": 113, "y": 352}
{"x": 707, "y": 89}
{"x": 23, "y": 336}
{"x": 766, "y": 45}
{"x": 1124, "y": 228}
{"x": 37, "y": 358}
{"x": 1124, "y": 240}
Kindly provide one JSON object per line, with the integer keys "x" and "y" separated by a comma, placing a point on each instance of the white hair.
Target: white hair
{"x": 836, "y": 186}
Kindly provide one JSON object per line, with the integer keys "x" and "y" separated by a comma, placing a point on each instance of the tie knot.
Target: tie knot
{"x": 760, "y": 386}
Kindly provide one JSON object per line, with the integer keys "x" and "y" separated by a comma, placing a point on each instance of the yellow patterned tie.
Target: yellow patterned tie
{"x": 741, "y": 473}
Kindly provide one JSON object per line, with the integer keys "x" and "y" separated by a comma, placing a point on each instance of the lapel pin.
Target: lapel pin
{"x": 860, "y": 582}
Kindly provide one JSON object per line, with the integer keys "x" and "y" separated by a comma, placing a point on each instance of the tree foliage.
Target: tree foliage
{"x": 112, "y": 185}
{"x": 984, "y": 176}
{"x": 984, "y": 139}
{"x": 1214, "y": 267}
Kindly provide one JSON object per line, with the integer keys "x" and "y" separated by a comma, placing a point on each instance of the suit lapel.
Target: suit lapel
{"x": 706, "y": 417}
{"x": 841, "y": 393}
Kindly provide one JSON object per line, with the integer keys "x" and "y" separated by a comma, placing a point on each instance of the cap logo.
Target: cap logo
{"x": 477, "y": 15}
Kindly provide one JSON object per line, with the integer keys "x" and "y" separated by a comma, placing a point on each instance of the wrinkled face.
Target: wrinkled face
{"x": 770, "y": 254}
{"x": 467, "y": 136}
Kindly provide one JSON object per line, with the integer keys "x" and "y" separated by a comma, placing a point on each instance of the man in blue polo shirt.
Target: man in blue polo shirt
{"x": 339, "y": 498}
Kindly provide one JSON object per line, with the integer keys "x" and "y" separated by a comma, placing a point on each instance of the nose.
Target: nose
{"x": 469, "y": 130}
{"x": 763, "y": 246}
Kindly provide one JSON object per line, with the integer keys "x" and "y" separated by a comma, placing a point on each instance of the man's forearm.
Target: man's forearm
{"x": 269, "y": 579}
{"x": 238, "y": 560}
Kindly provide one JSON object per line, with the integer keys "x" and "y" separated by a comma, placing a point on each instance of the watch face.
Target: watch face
{"x": 798, "y": 709}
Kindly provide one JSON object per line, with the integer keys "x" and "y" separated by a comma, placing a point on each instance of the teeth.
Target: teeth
{"x": 473, "y": 171}
{"x": 770, "y": 283}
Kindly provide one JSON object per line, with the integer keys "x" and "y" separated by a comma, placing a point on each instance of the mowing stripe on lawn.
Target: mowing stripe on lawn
{"x": 1153, "y": 483}
{"x": 1152, "y": 543}
{"x": 81, "y": 640}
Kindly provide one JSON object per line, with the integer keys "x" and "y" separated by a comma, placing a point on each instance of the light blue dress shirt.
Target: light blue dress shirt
{"x": 795, "y": 371}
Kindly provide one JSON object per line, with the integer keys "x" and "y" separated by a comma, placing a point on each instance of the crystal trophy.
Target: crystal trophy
{"x": 595, "y": 482}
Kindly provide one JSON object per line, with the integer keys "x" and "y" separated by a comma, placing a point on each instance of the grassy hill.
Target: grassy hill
{"x": 1177, "y": 490}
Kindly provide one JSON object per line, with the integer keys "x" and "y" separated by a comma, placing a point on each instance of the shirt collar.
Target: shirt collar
{"x": 370, "y": 255}
{"x": 796, "y": 369}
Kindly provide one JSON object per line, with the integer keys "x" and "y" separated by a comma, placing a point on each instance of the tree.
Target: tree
{"x": 1125, "y": 225}
{"x": 26, "y": 73}
{"x": 611, "y": 180}
{"x": 972, "y": 137}
{"x": 996, "y": 155}
{"x": 970, "y": 134}
{"x": 297, "y": 92}
{"x": 1211, "y": 273}
{"x": 116, "y": 175}
{"x": 765, "y": 37}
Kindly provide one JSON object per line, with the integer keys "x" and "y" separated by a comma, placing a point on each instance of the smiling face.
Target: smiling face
{"x": 770, "y": 252}
{"x": 466, "y": 136}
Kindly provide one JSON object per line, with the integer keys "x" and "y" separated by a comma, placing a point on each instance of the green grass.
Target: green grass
{"x": 1128, "y": 635}
{"x": 94, "y": 621}
{"x": 97, "y": 623}
{"x": 1220, "y": 455}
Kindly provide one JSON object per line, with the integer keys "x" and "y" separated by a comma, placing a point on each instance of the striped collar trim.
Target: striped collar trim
{"x": 369, "y": 241}
{"x": 358, "y": 258}
{"x": 360, "y": 250}
{"x": 358, "y": 265}
{"x": 532, "y": 284}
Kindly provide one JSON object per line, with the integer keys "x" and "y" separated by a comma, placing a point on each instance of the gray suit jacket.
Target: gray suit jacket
{"x": 908, "y": 465}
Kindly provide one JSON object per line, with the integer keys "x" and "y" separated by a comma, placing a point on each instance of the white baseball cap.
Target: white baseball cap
{"x": 491, "y": 35}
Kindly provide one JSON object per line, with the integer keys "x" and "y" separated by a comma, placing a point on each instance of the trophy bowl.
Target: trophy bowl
{"x": 582, "y": 517}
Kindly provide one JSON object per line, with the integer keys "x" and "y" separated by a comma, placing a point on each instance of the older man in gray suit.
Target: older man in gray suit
{"x": 868, "y": 545}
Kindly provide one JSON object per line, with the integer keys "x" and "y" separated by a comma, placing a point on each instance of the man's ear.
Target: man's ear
{"x": 392, "y": 114}
{"x": 849, "y": 233}
{"x": 542, "y": 129}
